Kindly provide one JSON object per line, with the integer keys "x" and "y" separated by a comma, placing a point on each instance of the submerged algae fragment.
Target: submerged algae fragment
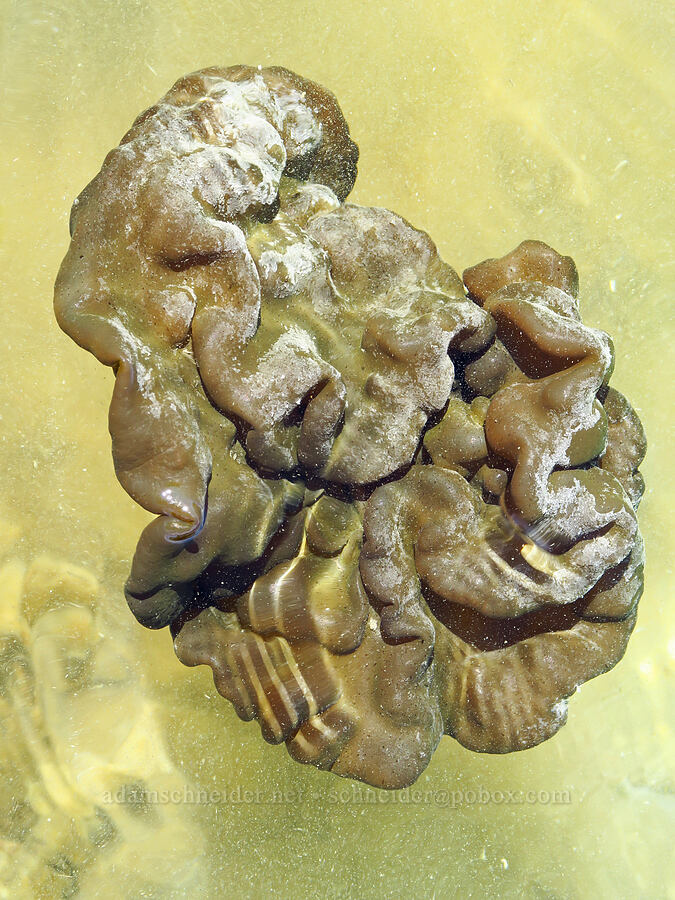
{"x": 390, "y": 505}
{"x": 85, "y": 762}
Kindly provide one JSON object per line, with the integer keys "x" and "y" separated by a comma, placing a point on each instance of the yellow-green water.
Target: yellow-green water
{"x": 484, "y": 124}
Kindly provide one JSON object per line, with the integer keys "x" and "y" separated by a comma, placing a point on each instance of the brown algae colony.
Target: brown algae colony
{"x": 391, "y": 505}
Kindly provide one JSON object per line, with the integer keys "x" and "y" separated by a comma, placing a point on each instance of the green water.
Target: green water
{"x": 483, "y": 124}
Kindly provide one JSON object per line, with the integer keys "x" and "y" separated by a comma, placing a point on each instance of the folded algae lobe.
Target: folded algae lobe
{"x": 390, "y": 505}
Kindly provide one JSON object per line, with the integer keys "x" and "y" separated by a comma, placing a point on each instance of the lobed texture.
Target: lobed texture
{"x": 390, "y": 505}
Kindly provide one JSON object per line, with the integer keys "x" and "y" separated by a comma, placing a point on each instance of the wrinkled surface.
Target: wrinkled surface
{"x": 387, "y": 510}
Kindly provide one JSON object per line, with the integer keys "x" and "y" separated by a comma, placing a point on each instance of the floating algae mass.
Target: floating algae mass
{"x": 390, "y": 505}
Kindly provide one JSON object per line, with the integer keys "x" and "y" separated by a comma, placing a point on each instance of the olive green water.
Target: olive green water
{"x": 483, "y": 124}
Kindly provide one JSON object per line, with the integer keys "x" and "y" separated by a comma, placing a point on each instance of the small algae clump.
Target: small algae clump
{"x": 86, "y": 767}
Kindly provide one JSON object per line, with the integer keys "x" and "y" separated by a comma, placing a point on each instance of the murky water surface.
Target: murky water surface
{"x": 125, "y": 775}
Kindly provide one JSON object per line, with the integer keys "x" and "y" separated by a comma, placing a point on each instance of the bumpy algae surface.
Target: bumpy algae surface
{"x": 386, "y": 505}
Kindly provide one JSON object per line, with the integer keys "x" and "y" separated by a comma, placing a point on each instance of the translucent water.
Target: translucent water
{"x": 124, "y": 774}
